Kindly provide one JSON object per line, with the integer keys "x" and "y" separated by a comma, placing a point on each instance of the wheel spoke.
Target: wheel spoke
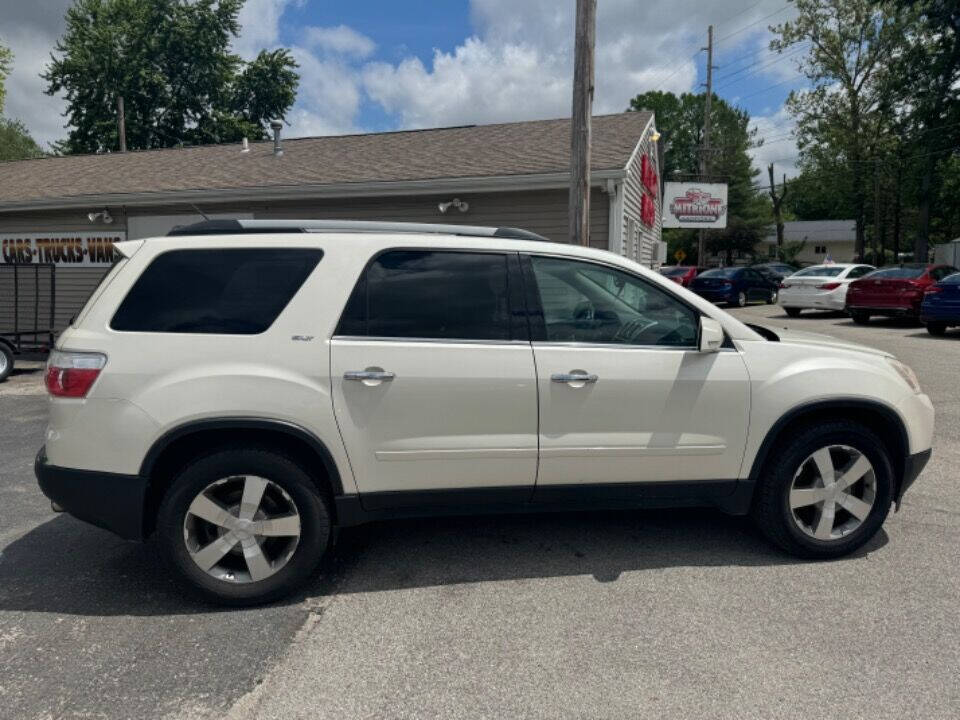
{"x": 802, "y": 497}
{"x": 257, "y": 563}
{"x": 285, "y": 526}
{"x": 253, "y": 488}
{"x": 857, "y": 470}
{"x": 210, "y": 555}
{"x": 825, "y": 517}
{"x": 210, "y": 510}
{"x": 824, "y": 465}
{"x": 855, "y": 506}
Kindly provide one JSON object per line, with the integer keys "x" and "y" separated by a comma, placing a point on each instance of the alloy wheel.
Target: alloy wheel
{"x": 742, "y": 299}
{"x": 3, "y": 363}
{"x": 833, "y": 492}
{"x": 242, "y": 529}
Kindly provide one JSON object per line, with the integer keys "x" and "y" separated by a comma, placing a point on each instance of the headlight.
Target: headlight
{"x": 904, "y": 371}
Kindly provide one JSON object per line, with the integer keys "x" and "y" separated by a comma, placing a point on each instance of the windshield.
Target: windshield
{"x": 899, "y": 272}
{"x": 674, "y": 271}
{"x": 819, "y": 271}
{"x": 720, "y": 272}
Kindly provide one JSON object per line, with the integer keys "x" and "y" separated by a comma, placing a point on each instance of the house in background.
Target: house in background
{"x": 68, "y": 210}
{"x": 835, "y": 239}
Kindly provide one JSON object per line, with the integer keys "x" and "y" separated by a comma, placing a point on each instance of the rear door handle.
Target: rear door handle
{"x": 361, "y": 375}
{"x": 574, "y": 377}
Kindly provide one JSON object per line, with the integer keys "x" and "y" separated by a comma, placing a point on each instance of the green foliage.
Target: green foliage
{"x": 170, "y": 60}
{"x": 16, "y": 143}
{"x": 680, "y": 122}
{"x": 6, "y": 61}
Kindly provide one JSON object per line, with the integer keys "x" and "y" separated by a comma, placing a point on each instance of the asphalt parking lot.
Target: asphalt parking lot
{"x": 667, "y": 614}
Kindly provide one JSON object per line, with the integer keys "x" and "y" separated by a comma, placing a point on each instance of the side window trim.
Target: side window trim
{"x": 538, "y": 332}
{"x": 515, "y": 298}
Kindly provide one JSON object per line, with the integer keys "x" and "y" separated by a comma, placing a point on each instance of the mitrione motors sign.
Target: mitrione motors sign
{"x": 695, "y": 205}
{"x": 67, "y": 248}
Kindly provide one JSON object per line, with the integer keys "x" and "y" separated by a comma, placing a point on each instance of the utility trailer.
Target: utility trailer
{"x": 27, "y": 311}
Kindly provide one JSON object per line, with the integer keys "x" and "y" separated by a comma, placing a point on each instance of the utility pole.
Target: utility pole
{"x": 121, "y": 124}
{"x": 778, "y": 208}
{"x": 580, "y": 130}
{"x": 705, "y": 146}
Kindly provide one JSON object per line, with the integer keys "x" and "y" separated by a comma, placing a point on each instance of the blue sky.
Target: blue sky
{"x": 370, "y": 65}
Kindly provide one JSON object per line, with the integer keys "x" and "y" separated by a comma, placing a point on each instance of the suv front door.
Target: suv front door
{"x": 625, "y": 396}
{"x": 434, "y": 386}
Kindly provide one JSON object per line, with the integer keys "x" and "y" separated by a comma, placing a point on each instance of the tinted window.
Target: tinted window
{"x": 727, "y": 272}
{"x": 232, "y": 291}
{"x": 435, "y": 295}
{"x": 942, "y": 272}
{"x": 900, "y": 272}
{"x": 860, "y": 271}
{"x": 819, "y": 271}
{"x": 584, "y": 302}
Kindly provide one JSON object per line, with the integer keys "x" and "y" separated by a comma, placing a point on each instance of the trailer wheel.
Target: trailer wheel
{"x": 6, "y": 361}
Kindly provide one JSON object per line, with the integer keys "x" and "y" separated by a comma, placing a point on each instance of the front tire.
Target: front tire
{"x": 243, "y": 526}
{"x": 826, "y": 491}
{"x": 6, "y": 362}
{"x": 936, "y": 328}
{"x": 860, "y": 318}
{"x": 793, "y": 312}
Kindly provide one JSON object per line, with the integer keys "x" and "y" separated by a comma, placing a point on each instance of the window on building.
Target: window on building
{"x": 820, "y": 249}
{"x": 230, "y": 291}
{"x": 432, "y": 295}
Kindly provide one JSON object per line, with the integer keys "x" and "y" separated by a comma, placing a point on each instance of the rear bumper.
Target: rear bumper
{"x": 912, "y": 468}
{"x": 108, "y": 500}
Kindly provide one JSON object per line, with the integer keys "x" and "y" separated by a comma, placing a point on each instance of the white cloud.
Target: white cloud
{"x": 339, "y": 40}
{"x": 26, "y": 100}
{"x": 260, "y": 26}
{"x": 779, "y": 148}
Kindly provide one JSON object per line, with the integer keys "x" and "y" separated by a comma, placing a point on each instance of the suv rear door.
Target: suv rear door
{"x": 626, "y": 398}
{"x": 434, "y": 385}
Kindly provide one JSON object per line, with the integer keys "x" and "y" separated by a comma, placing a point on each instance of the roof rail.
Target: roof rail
{"x": 236, "y": 227}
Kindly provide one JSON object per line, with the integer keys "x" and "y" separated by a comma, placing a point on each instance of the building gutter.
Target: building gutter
{"x": 500, "y": 183}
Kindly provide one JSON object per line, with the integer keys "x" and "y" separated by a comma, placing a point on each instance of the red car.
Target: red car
{"x": 683, "y": 274}
{"x": 893, "y": 291}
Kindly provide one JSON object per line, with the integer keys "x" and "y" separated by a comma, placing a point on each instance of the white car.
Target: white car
{"x": 820, "y": 287}
{"x": 242, "y": 388}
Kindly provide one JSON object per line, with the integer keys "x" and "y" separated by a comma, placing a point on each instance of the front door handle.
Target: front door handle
{"x": 575, "y": 376}
{"x": 367, "y": 375}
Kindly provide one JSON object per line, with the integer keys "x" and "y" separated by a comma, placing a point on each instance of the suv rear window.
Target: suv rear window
{"x": 234, "y": 291}
{"x": 448, "y": 295}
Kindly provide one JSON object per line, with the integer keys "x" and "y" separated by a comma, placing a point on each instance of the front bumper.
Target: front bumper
{"x": 108, "y": 500}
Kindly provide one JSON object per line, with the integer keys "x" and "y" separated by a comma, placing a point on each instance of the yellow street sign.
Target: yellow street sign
{"x": 680, "y": 255}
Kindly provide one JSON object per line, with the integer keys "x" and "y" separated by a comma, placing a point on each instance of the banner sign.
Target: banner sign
{"x": 66, "y": 248}
{"x": 695, "y": 205}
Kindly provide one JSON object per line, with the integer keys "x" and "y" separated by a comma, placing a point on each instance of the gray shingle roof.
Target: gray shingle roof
{"x": 523, "y": 148}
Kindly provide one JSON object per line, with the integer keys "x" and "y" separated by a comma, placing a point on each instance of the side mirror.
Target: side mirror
{"x": 711, "y": 335}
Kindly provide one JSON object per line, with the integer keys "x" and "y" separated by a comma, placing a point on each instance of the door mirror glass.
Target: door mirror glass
{"x": 711, "y": 335}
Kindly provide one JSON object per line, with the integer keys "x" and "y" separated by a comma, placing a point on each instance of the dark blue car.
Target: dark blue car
{"x": 734, "y": 285}
{"x": 941, "y": 305}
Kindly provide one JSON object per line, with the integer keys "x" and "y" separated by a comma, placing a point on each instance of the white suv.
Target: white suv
{"x": 242, "y": 388}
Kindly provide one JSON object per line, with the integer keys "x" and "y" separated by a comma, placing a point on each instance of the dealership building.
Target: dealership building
{"x": 66, "y": 211}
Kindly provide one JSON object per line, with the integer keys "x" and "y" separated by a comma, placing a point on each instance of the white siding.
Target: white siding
{"x": 642, "y": 244}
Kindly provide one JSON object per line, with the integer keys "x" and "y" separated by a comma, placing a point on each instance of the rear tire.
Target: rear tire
{"x": 793, "y": 312}
{"x": 740, "y": 300}
{"x": 860, "y": 318}
{"x": 6, "y": 362}
{"x": 780, "y": 508}
{"x": 936, "y": 328}
{"x": 284, "y": 560}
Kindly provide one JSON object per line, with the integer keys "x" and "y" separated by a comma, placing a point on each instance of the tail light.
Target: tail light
{"x": 72, "y": 374}
{"x": 784, "y": 286}
{"x": 828, "y": 286}
{"x": 933, "y": 290}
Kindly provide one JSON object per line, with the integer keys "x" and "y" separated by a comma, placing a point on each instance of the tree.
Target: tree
{"x": 777, "y": 201}
{"x": 851, "y": 46}
{"x": 171, "y": 63}
{"x": 16, "y": 143}
{"x": 680, "y": 122}
{"x": 6, "y": 61}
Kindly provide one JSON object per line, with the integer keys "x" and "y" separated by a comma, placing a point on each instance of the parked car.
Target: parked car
{"x": 820, "y": 287}
{"x": 682, "y": 274}
{"x": 734, "y": 285}
{"x": 893, "y": 291}
{"x": 941, "y": 305}
{"x": 240, "y": 390}
{"x": 775, "y": 271}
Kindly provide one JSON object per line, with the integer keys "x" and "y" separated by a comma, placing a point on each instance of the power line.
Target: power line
{"x": 769, "y": 64}
{"x": 757, "y": 22}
